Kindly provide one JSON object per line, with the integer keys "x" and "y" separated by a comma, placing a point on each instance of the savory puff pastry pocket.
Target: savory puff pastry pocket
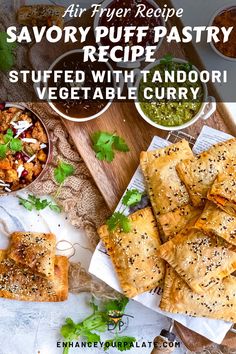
{"x": 166, "y": 191}
{"x": 173, "y": 222}
{"x": 202, "y": 261}
{"x": 19, "y": 283}
{"x": 134, "y": 254}
{"x": 34, "y": 250}
{"x": 216, "y": 222}
{"x": 223, "y": 191}
{"x": 199, "y": 173}
{"x": 219, "y": 302}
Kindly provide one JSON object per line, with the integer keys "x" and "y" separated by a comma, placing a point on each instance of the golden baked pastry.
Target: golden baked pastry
{"x": 218, "y": 303}
{"x": 202, "y": 261}
{"x": 216, "y": 222}
{"x": 165, "y": 189}
{"x": 223, "y": 191}
{"x": 173, "y": 222}
{"x": 19, "y": 283}
{"x": 134, "y": 254}
{"x": 34, "y": 250}
{"x": 41, "y": 15}
{"x": 198, "y": 173}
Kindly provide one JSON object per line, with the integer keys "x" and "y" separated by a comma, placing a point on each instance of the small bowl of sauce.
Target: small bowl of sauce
{"x": 83, "y": 108}
{"x": 225, "y": 17}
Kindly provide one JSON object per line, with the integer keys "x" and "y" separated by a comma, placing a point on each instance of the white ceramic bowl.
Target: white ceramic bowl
{"x": 97, "y": 19}
{"x": 208, "y": 106}
{"x": 216, "y": 13}
{"x": 75, "y": 119}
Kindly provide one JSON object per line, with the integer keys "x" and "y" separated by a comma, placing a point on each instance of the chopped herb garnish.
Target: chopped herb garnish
{"x": 122, "y": 343}
{"x": 35, "y": 203}
{"x": 61, "y": 173}
{"x": 119, "y": 220}
{"x": 132, "y": 197}
{"x": 11, "y": 144}
{"x": 105, "y": 144}
{"x": 90, "y": 328}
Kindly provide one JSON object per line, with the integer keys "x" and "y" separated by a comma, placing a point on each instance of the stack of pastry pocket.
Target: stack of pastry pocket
{"x": 199, "y": 244}
{"x": 135, "y": 254}
{"x": 30, "y": 271}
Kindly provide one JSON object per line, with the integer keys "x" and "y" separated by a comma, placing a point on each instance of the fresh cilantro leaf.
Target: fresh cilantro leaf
{"x": 10, "y": 144}
{"x": 97, "y": 321}
{"x": 108, "y": 343}
{"x": 16, "y": 145}
{"x": 55, "y": 208}
{"x": 105, "y": 154}
{"x": 100, "y": 138}
{"x": 132, "y": 197}
{"x": 8, "y": 136}
{"x": 119, "y": 220}
{"x": 32, "y": 198}
{"x": 117, "y": 305}
{"x": 94, "y": 306}
{"x": 63, "y": 171}
{"x": 59, "y": 175}
{"x": 102, "y": 145}
{"x": 120, "y": 144}
{"x": 68, "y": 331}
{"x": 90, "y": 337}
{"x": 122, "y": 344}
{"x": 105, "y": 143}
{"x": 33, "y": 202}
{"x": 3, "y": 151}
{"x": 66, "y": 349}
{"x": 41, "y": 204}
{"x": 26, "y": 204}
{"x": 10, "y": 132}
